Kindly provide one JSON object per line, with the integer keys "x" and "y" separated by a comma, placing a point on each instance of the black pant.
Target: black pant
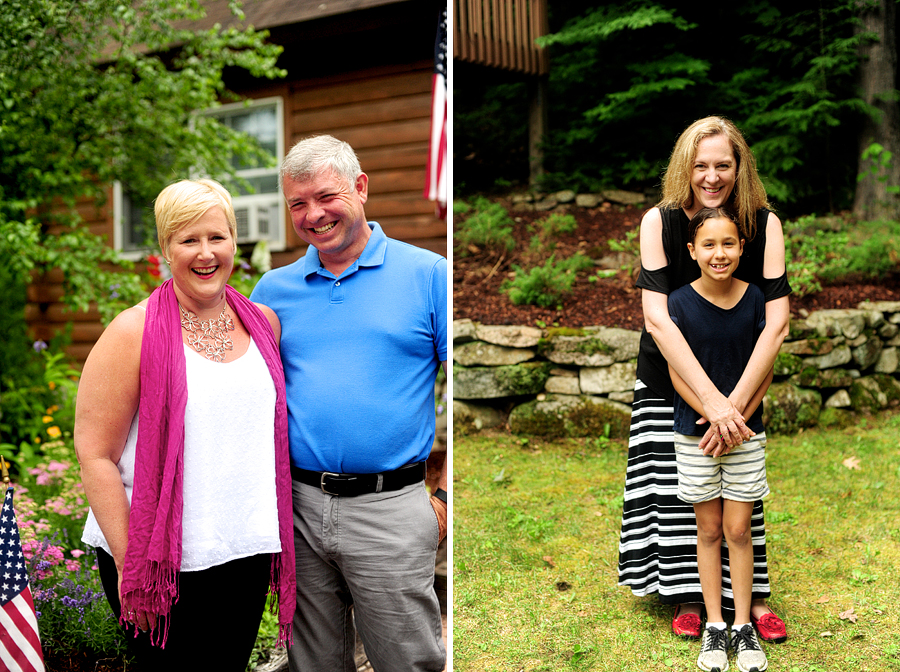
{"x": 215, "y": 620}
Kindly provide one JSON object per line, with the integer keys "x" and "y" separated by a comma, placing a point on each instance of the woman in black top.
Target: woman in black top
{"x": 711, "y": 166}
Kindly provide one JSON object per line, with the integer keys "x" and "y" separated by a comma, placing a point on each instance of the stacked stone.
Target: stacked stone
{"x": 579, "y": 382}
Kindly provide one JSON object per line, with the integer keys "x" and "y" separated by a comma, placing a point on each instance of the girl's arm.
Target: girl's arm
{"x": 722, "y": 413}
{"x": 684, "y": 391}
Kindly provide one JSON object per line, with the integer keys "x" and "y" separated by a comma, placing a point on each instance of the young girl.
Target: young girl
{"x": 721, "y": 318}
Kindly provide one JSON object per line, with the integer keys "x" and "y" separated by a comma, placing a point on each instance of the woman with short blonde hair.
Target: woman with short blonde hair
{"x": 181, "y": 433}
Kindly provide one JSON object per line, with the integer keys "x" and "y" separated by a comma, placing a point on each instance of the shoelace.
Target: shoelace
{"x": 716, "y": 640}
{"x": 744, "y": 640}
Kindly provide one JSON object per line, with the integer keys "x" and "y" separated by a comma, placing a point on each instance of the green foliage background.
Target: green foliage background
{"x": 627, "y": 77}
{"x": 91, "y": 92}
{"x": 94, "y": 91}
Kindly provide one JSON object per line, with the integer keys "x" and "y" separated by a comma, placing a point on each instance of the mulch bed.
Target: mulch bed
{"x": 610, "y": 302}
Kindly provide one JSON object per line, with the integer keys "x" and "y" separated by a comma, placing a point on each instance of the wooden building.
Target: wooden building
{"x": 501, "y": 34}
{"x": 360, "y": 70}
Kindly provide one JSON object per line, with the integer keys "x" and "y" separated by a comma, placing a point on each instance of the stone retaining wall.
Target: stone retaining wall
{"x": 580, "y": 382}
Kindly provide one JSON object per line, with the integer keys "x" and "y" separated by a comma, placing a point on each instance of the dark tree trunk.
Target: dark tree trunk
{"x": 876, "y": 193}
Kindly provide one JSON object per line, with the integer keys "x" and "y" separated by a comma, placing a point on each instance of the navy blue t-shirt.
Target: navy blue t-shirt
{"x": 722, "y": 340}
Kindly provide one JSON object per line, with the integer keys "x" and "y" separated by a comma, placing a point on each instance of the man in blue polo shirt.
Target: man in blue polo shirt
{"x": 364, "y": 329}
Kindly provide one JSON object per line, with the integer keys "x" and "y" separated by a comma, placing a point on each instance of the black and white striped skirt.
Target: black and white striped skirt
{"x": 658, "y": 543}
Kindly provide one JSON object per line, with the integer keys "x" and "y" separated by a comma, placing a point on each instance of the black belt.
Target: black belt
{"x": 351, "y": 485}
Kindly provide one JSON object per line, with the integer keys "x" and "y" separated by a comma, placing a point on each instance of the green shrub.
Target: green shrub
{"x": 825, "y": 250}
{"x": 630, "y": 245}
{"x": 489, "y": 226}
{"x": 38, "y": 402}
{"x": 874, "y": 250}
{"x": 545, "y": 285}
{"x": 545, "y": 230}
{"x": 556, "y": 224}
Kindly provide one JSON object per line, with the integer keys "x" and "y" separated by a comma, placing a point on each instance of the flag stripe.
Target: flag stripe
{"x": 437, "y": 179}
{"x": 16, "y": 648}
{"x": 436, "y": 171}
{"x": 29, "y": 625}
{"x": 20, "y": 644}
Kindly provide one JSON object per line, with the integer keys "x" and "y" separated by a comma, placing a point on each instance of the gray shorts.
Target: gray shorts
{"x": 739, "y": 476}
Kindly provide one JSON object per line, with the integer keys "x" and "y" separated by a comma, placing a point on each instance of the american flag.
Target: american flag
{"x": 436, "y": 175}
{"x": 20, "y": 646}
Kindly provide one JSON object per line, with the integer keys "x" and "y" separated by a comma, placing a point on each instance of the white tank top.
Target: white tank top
{"x": 230, "y": 507}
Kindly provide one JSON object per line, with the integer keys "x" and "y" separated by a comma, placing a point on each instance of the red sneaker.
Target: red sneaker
{"x": 770, "y": 627}
{"x": 686, "y": 625}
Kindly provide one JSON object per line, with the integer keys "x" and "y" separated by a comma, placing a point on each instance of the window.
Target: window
{"x": 135, "y": 230}
{"x": 260, "y": 214}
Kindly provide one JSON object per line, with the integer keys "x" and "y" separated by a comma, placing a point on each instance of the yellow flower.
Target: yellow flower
{"x": 47, "y": 419}
{"x": 52, "y": 385}
{"x": 54, "y": 432}
{"x": 53, "y": 409}
{"x": 37, "y": 439}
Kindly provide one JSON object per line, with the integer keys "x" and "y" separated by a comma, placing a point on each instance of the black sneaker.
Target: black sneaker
{"x": 750, "y": 656}
{"x": 713, "y": 650}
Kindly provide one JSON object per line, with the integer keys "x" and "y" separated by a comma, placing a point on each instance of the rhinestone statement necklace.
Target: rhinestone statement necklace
{"x": 208, "y": 337}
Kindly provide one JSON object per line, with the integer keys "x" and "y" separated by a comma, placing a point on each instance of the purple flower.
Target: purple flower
{"x": 39, "y": 345}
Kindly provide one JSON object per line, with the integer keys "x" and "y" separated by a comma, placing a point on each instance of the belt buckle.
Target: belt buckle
{"x": 322, "y": 483}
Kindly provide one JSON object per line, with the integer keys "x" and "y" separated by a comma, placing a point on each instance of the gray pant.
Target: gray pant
{"x": 375, "y": 552}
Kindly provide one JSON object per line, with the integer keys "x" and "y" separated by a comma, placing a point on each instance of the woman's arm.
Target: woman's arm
{"x": 724, "y": 417}
{"x": 273, "y": 320}
{"x": 107, "y": 401}
{"x": 760, "y": 394}
{"x": 777, "y": 322}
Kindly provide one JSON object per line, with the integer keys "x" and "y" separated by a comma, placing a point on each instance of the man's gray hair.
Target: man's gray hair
{"x": 318, "y": 154}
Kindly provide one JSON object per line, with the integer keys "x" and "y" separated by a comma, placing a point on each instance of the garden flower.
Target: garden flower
{"x": 47, "y": 419}
{"x": 39, "y": 345}
{"x": 42, "y": 477}
{"x": 54, "y": 432}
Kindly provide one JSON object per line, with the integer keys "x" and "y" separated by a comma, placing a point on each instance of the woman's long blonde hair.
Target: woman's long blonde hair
{"x": 748, "y": 194}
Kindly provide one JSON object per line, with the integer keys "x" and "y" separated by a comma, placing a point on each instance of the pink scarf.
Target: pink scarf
{"x": 153, "y": 558}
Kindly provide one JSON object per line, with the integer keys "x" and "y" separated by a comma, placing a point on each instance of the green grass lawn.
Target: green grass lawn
{"x": 535, "y": 547}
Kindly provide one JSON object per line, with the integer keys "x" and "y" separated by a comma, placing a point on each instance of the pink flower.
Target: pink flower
{"x": 53, "y": 555}
{"x": 77, "y": 553}
{"x": 29, "y": 547}
{"x": 57, "y": 466}
{"x": 72, "y": 565}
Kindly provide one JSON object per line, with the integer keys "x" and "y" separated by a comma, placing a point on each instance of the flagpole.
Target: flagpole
{"x": 5, "y": 473}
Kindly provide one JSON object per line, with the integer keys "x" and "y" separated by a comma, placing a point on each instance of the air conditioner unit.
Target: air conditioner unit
{"x": 258, "y": 218}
